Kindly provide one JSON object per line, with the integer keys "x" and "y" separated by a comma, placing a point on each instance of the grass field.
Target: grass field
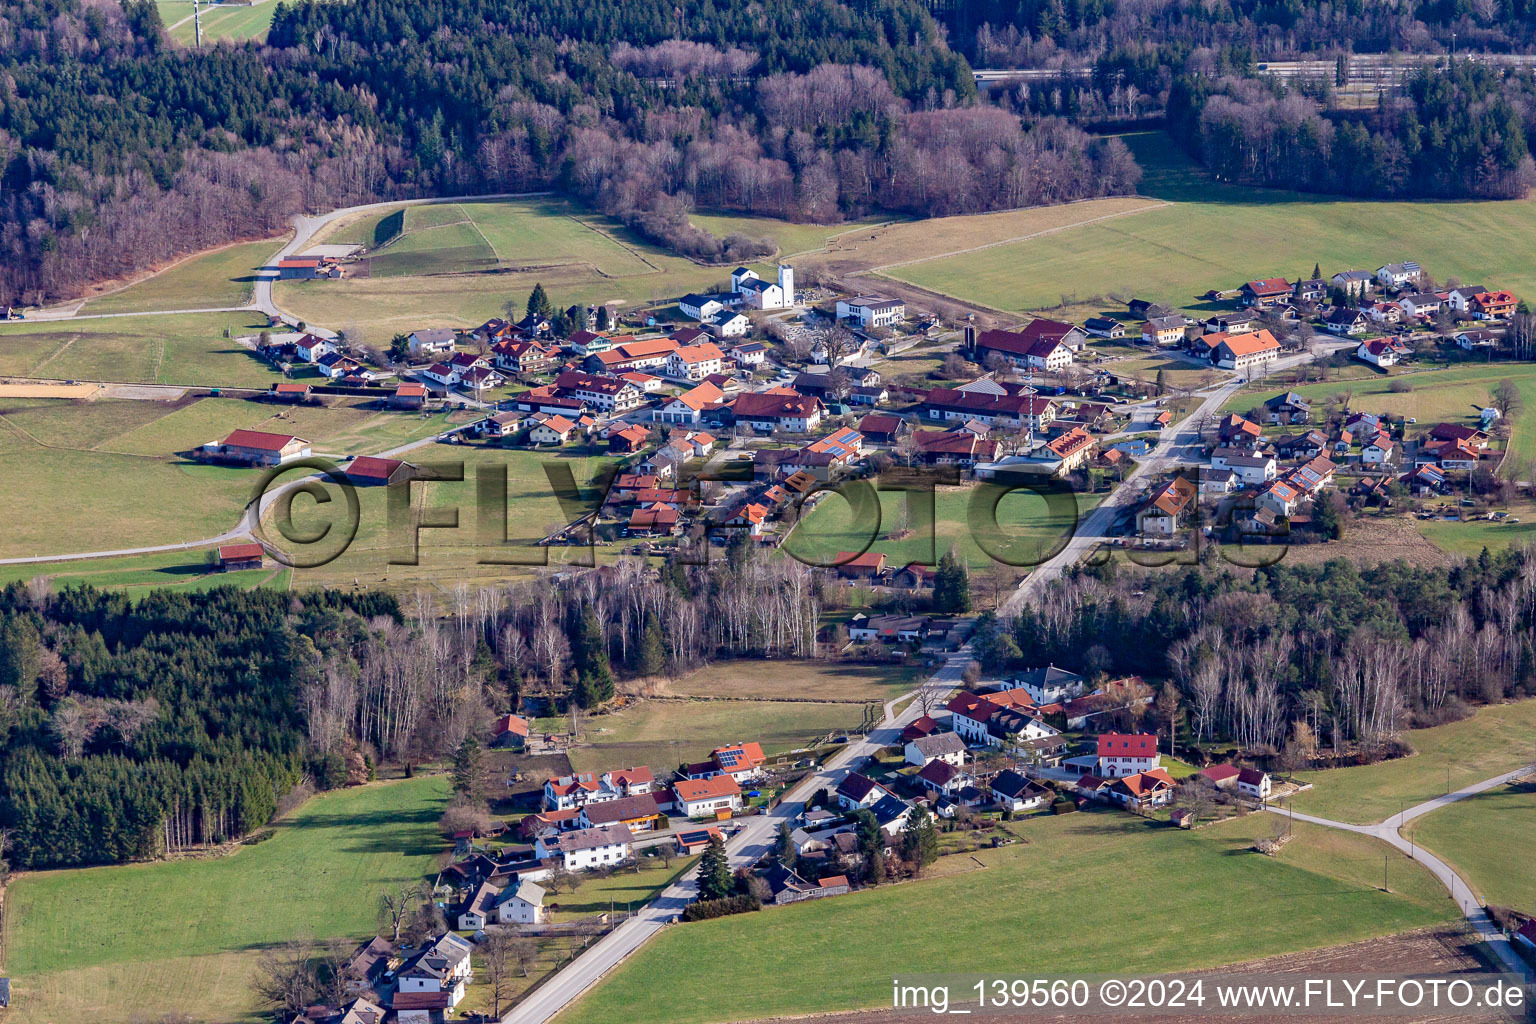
{"x": 662, "y": 734}
{"x": 800, "y": 680}
{"x": 107, "y": 475}
{"x": 1217, "y": 236}
{"x": 1495, "y": 739}
{"x": 1487, "y": 838}
{"x": 126, "y": 928}
{"x": 1058, "y": 904}
{"x": 181, "y": 348}
{"x": 532, "y": 509}
{"x": 219, "y": 22}
{"x": 1030, "y": 530}
{"x": 137, "y": 574}
{"x": 791, "y": 238}
{"x": 222, "y": 277}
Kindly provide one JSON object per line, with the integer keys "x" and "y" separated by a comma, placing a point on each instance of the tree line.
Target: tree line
{"x": 1290, "y": 656}
{"x": 120, "y": 150}
{"x": 128, "y": 730}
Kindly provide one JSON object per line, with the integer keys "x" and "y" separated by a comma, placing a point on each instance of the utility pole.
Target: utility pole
{"x": 1384, "y": 873}
{"x": 197, "y": 22}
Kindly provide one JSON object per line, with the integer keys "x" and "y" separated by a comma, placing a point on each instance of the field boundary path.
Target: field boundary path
{"x": 754, "y": 839}
{"x": 1461, "y": 892}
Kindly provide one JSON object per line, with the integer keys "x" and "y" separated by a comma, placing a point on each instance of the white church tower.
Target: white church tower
{"x": 787, "y": 283}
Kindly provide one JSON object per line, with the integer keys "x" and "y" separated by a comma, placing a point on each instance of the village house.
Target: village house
{"x": 1042, "y": 345}
{"x": 638, "y": 813}
{"x": 524, "y": 356}
{"x": 729, "y": 323}
{"x": 1015, "y": 411}
{"x": 1014, "y": 792}
{"x": 1164, "y": 331}
{"x": 1353, "y": 283}
{"x": 748, "y": 354}
{"x": 688, "y": 407}
{"x": 1143, "y": 790}
{"x": 1104, "y": 327}
{"x": 587, "y": 848}
{"x": 612, "y": 395}
{"x": 290, "y": 391}
{"x": 695, "y": 840}
{"x": 740, "y": 761}
{"x": 1239, "y": 431}
{"x": 431, "y": 341}
{"x": 944, "y": 778}
{"x": 1419, "y": 304}
{"x": 1470, "y": 341}
{"x": 440, "y": 969}
{"x": 1254, "y": 783}
{"x": 760, "y": 294}
{"x": 1263, "y": 294}
{"x": 519, "y": 904}
{"x": 954, "y": 448}
{"x": 786, "y": 886}
{"x": 634, "y": 355}
{"x": 1288, "y": 408}
{"x": 858, "y": 791}
{"x": 1003, "y": 718}
{"x": 1379, "y": 352}
{"x": 1345, "y": 321}
{"x": 1500, "y": 305}
{"x": 1126, "y": 754}
{"x": 1160, "y": 514}
{"x": 550, "y": 429}
{"x": 1279, "y": 498}
{"x": 695, "y": 362}
{"x": 1248, "y": 466}
{"x": 941, "y": 746}
{"x": 1399, "y": 275}
{"x": 1246, "y": 352}
{"x": 871, "y": 311}
{"x": 777, "y": 409}
{"x": 707, "y": 798}
{"x": 1048, "y": 685}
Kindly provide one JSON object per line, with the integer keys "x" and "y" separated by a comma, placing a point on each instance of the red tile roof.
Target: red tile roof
{"x": 240, "y": 552}
{"x": 703, "y": 789}
{"x": 259, "y": 439}
{"x": 1119, "y": 744}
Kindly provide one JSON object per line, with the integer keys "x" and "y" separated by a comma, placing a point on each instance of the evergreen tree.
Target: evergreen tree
{"x": 399, "y": 348}
{"x": 576, "y": 318}
{"x": 603, "y": 322}
{"x": 1162, "y": 381}
{"x": 715, "y": 881}
{"x": 784, "y": 847}
{"x": 469, "y": 769}
{"x": 920, "y": 840}
{"x": 652, "y": 652}
{"x": 951, "y": 585}
{"x": 594, "y": 674}
{"x": 1317, "y": 271}
{"x": 538, "y": 302}
{"x": 871, "y": 845}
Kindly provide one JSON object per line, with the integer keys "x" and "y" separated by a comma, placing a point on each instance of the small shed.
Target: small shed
{"x": 233, "y": 557}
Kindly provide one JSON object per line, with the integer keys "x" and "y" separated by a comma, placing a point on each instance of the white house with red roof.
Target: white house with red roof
{"x": 1122, "y": 754}
{"x": 695, "y": 362}
{"x": 698, "y": 798}
{"x": 1378, "y": 352}
{"x": 1144, "y": 789}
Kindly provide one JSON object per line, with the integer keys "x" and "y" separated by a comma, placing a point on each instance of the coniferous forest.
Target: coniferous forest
{"x": 121, "y": 150}
{"x": 130, "y": 729}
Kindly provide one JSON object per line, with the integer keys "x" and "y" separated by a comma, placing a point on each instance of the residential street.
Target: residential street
{"x": 1389, "y": 832}
{"x": 755, "y": 838}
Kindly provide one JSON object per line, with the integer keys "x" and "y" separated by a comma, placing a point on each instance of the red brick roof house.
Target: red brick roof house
{"x": 509, "y": 731}
{"x": 1222, "y": 776}
{"x": 922, "y": 726}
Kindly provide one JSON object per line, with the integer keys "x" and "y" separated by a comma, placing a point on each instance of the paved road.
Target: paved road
{"x": 1390, "y": 832}
{"x": 755, "y": 839}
